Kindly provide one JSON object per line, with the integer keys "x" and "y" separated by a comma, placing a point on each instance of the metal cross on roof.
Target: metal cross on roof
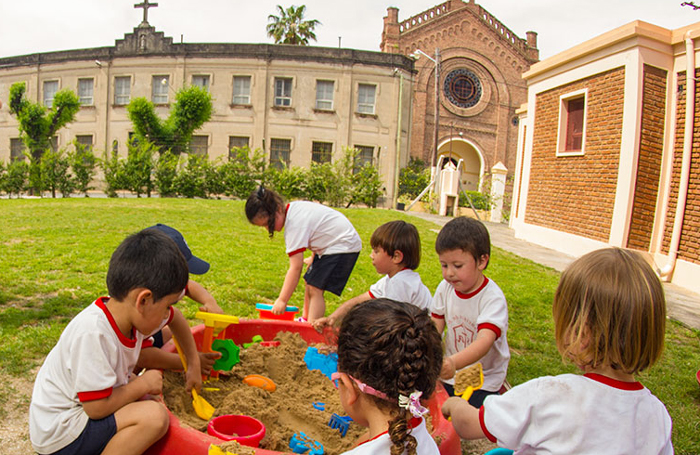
{"x": 145, "y": 5}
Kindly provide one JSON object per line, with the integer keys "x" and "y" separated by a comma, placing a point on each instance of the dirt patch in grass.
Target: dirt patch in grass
{"x": 14, "y": 414}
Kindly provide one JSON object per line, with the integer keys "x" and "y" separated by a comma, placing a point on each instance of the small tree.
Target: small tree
{"x": 413, "y": 178}
{"x": 190, "y": 181}
{"x": 367, "y": 186}
{"x": 138, "y": 168}
{"x": 3, "y": 178}
{"x": 17, "y": 172}
{"x": 54, "y": 167}
{"x": 191, "y": 110}
{"x": 165, "y": 174}
{"x": 113, "y": 171}
{"x": 37, "y": 124}
{"x": 83, "y": 162}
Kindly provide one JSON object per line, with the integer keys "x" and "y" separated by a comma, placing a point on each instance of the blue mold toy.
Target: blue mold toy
{"x": 325, "y": 363}
{"x": 300, "y": 443}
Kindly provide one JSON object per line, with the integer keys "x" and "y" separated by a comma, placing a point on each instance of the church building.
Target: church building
{"x": 468, "y": 85}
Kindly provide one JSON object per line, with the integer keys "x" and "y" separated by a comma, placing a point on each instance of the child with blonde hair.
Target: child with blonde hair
{"x": 609, "y": 317}
{"x": 395, "y": 254}
{"x": 389, "y": 357}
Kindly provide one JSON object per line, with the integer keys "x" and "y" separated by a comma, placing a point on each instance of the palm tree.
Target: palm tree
{"x": 290, "y": 27}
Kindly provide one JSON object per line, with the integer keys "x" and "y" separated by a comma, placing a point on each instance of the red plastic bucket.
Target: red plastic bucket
{"x": 265, "y": 311}
{"x": 245, "y": 429}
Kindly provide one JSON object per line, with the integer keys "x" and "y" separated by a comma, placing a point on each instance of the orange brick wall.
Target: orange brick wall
{"x": 649, "y": 160}
{"x": 576, "y": 194}
{"x": 689, "y": 248}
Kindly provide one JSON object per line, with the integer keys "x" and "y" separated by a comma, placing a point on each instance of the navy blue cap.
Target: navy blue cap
{"x": 196, "y": 265}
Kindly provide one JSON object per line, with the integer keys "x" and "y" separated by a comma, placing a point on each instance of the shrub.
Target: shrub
{"x": 241, "y": 172}
{"x": 113, "y": 170}
{"x": 189, "y": 182}
{"x": 367, "y": 186}
{"x": 138, "y": 168}
{"x": 165, "y": 174}
{"x": 413, "y": 178}
{"x": 3, "y": 178}
{"x": 480, "y": 201}
{"x": 54, "y": 173}
{"x": 289, "y": 183}
{"x": 17, "y": 175}
{"x": 214, "y": 178}
{"x": 83, "y": 162}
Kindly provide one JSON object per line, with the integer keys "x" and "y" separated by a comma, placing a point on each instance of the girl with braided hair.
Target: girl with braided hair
{"x": 389, "y": 356}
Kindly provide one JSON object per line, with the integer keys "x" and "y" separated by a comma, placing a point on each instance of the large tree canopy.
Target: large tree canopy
{"x": 290, "y": 27}
{"x": 37, "y": 123}
{"x": 192, "y": 108}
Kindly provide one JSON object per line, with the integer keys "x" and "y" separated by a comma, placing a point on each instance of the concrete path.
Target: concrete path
{"x": 682, "y": 305}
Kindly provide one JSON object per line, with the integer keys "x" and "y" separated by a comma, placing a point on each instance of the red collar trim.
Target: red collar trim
{"x": 473, "y": 293}
{"x": 413, "y": 423}
{"x": 286, "y": 209}
{"x": 622, "y": 385}
{"x": 128, "y": 342}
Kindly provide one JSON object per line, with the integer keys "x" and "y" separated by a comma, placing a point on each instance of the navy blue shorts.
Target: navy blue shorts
{"x": 94, "y": 438}
{"x": 331, "y": 272}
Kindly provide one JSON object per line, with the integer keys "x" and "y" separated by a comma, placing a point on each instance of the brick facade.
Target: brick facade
{"x": 467, "y": 36}
{"x": 651, "y": 143}
{"x": 689, "y": 248}
{"x": 576, "y": 194}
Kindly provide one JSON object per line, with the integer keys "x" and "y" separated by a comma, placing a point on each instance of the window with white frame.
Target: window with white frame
{"x": 571, "y": 138}
{"x": 321, "y": 152}
{"x": 235, "y": 143}
{"x": 241, "y": 90}
{"x": 201, "y": 81}
{"x": 365, "y": 98}
{"x": 85, "y": 140}
{"x": 50, "y": 89}
{"x": 85, "y": 91}
{"x": 17, "y": 149}
{"x": 283, "y": 91}
{"x": 280, "y": 150}
{"x": 324, "y": 95}
{"x": 159, "y": 89}
{"x": 122, "y": 90}
{"x": 364, "y": 156}
{"x": 199, "y": 145}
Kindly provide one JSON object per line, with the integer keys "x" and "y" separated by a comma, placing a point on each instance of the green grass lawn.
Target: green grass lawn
{"x": 54, "y": 256}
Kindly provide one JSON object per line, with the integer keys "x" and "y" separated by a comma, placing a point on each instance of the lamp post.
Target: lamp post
{"x": 436, "y": 61}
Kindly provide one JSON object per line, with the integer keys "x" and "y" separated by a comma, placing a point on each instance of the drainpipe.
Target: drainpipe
{"x": 666, "y": 270}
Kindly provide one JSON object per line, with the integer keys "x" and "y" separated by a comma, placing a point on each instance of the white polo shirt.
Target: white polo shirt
{"x": 585, "y": 415}
{"x": 381, "y": 444}
{"x": 92, "y": 357}
{"x": 321, "y": 229}
{"x": 404, "y": 286}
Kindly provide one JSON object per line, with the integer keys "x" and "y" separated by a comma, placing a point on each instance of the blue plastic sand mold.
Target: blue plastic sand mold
{"x": 326, "y": 363}
{"x": 340, "y": 423}
{"x": 300, "y": 443}
{"x": 268, "y": 307}
{"x": 321, "y": 406}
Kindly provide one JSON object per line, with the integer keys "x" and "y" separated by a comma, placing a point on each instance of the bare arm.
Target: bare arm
{"x": 183, "y": 334}
{"x": 469, "y": 355}
{"x": 465, "y": 418}
{"x": 150, "y": 382}
{"x": 291, "y": 279}
{"x": 341, "y": 311}
{"x": 199, "y": 294}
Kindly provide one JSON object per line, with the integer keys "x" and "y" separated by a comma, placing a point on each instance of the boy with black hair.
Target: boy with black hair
{"x": 85, "y": 400}
{"x": 472, "y": 307}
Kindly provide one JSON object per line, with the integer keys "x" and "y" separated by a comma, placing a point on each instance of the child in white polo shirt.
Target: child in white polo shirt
{"x": 329, "y": 235}
{"x": 396, "y": 255}
{"x": 85, "y": 400}
{"x": 389, "y": 357}
{"x": 609, "y": 318}
{"x": 471, "y": 306}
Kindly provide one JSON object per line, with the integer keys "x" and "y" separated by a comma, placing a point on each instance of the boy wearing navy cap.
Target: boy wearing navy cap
{"x": 157, "y": 358}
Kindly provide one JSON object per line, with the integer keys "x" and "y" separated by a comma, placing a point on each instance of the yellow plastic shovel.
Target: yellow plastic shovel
{"x": 201, "y": 406}
{"x": 468, "y": 380}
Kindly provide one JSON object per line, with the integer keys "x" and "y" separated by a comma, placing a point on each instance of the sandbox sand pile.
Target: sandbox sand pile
{"x": 287, "y": 410}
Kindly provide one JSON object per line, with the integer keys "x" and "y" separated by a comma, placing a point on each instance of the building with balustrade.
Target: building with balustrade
{"x": 465, "y": 107}
{"x": 300, "y": 104}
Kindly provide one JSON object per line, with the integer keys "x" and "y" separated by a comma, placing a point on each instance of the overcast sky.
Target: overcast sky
{"x": 31, "y": 26}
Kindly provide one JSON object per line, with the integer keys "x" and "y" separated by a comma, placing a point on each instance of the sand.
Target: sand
{"x": 287, "y": 410}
